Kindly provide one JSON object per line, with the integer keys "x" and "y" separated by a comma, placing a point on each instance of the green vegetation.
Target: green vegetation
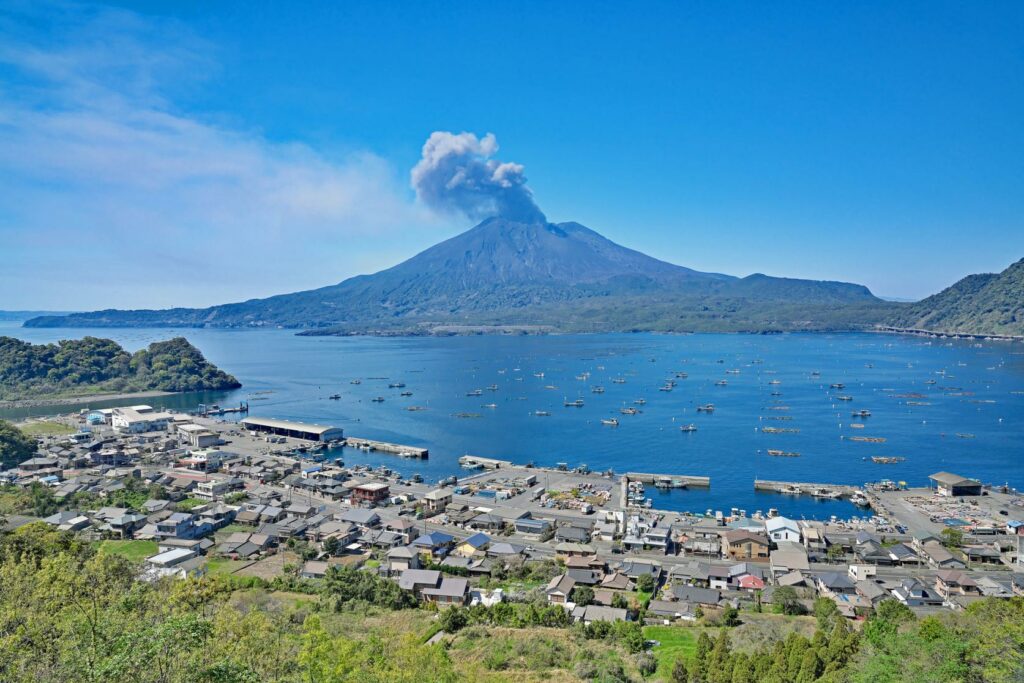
{"x": 39, "y": 500}
{"x": 989, "y": 303}
{"x": 91, "y": 366}
{"x": 46, "y": 428}
{"x": 674, "y": 643}
{"x": 134, "y": 551}
{"x": 15, "y": 445}
{"x": 952, "y": 537}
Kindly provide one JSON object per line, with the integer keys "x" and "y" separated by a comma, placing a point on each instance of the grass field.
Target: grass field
{"x": 136, "y": 551}
{"x": 46, "y": 428}
{"x": 222, "y": 565}
{"x": 675, "y": 642}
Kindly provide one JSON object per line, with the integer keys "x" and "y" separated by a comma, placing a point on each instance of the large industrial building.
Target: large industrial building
{"x": 296, "y": 430}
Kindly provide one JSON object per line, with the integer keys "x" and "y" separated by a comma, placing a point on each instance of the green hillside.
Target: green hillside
{"x": 91, "y": 365}
{"x": 988, "y": 303}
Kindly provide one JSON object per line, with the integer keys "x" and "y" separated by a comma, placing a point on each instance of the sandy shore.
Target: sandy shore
{"x": 80, "y": 400}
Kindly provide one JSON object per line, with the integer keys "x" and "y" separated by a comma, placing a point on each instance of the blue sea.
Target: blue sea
{"x": 921, "y": 395}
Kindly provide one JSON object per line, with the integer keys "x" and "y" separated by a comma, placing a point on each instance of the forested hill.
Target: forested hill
{"x": 91, "y": 365}
{"x": 987, "y": 303}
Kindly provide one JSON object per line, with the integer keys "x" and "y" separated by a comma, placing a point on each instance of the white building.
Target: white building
{"x": 131, "y": 421}
{"x": 782, "y": 529}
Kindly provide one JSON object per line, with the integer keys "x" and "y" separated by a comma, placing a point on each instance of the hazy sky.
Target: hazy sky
{"x": 194, "y": 153}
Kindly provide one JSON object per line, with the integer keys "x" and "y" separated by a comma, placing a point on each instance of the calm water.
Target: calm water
{"x": 981, "y": 393}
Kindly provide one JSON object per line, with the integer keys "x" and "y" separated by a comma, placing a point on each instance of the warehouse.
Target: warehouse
{"x": 297, "y": 430}
{"x": 954, "y": 485}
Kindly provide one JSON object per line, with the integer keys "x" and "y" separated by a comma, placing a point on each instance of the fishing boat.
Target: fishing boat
{"x": 618, "y": 380}
{"x": 721, "y": 383}
{"x": 886, "y": 460}
{"x": 965, "y": 436}
{"x": 377, "y": 399}
{"x": 578, "y": 403}
{"x": 732, "y": 372}
{"x": 861, "y": 413}
{"x": 665, "y": 387}
{"x": 858, "y": 498}
{"x": 844, "y": 398}
{"x": 628, "y": 411}
{"x": 826, "y": 494}
{"x": 475, "y": 392}
{"x": 493, "y": 387}
{"x": 396, "y": 385}
{"x": 492, "y": 406}
{"x": 681, "y": 375}
{"x": 541, "y": 413}
{"x": 837, "y": 385}
{"x": 775, "y": 381}
{"x": 610, "y": 421}
{"x": 356, "y": 381}
{"x": 791, "y": 490}
{"x": 688, "y": 428}
{"x": 857, "y": 425}
{"x": 706, "y": 408}
{"x": 597, "y": 390}
{"x": 334, "y": 397}
{"x": 783, "y": 454}
{"x": 640, "y": 402}
{"x": 406, "y": 393}
{"x": 538, "y": 374}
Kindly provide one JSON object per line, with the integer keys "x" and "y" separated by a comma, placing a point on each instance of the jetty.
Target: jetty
{"x": 802, "y": 487}
{"x": 485, "y": 463}
{"x": 385, "y": 447}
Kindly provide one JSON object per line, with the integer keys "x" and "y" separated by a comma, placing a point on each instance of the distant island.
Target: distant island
{"x": 534, "y": 276}
{"x": 93, "y": 366}
{"x": 983, "y": 304}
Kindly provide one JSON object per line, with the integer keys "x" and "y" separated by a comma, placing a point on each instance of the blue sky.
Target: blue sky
{"x": 193, "y": 153}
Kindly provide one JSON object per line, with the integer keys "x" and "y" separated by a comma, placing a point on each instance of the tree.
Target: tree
{"x": 332, "y": 545}
{"x": 583, "y": 595}
{"x": 730, "y": 616}
{"x": 453, "y": 619}
{"x": 619, "y": 601}
{"x": 15, "y": 446}
{"x": 826, "y": 612}
{"x": 787, "y": 601}
{"x": 645, "y": 583}
{"x": 952, "y": 537}
{"x": 835, "y": 553}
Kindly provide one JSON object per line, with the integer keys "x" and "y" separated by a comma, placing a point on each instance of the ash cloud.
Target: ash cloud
{"x": 458, "y": 174}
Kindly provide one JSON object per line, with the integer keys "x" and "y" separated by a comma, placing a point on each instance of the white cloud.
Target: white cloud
{"x": 105, "y": 182}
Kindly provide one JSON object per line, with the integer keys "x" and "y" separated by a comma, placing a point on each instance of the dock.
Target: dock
{"x": 486, "y": 463}
{"x": 804, "y": 488}
{"x": 385, "y": 447}
{"x": 679, "y": 481}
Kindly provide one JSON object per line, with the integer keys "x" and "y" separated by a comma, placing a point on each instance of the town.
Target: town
{"x": 263, "y": 497}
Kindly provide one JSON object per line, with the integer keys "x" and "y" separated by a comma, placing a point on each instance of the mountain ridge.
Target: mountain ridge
{"x": 983, "y": 303}
{"x": 503, "y": 270}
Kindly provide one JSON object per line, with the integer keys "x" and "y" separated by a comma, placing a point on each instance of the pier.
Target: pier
{"x": 802, "y": 488}
{"x": 486, "y": 463}
{"x": 678, "y": 481}
{"x": 385, "y": 447}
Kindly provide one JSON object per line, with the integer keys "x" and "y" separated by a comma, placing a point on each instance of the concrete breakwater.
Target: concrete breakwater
{"x": 385, "y": 447}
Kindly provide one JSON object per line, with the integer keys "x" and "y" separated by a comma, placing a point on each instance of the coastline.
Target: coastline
{"x": 81, "y": 400}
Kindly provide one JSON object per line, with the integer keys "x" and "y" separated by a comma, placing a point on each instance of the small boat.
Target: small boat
{"x": 965, "y": 436}
{"x": 791, "y": 490}
{"x": 640, "y": 402}
{"x": 406, "y": 393}
{"x": 826, "y": 494}
{"x": 628, "y": 411}
{"x": 732, "y": 372}
{"x": 857, "y": 425}
{"x": 538, "y": 374}
{"x": 858, "y": 498}
{"x": 837, "y": 385}
{"x": 666, "y": 387}
{"x": 721, "y": 383}
{"x": 783, "y": 454}
{"x": 377, "y": 399}
{"x": 868, "y": 439}
{"x": 493, "y": 387}
{"x": 597, "y": 390}
{"x": 688, "y": 428}
{"x": 618, "y": 380}
{"x": 844, "y": 398}
{"x": 886, "y": 460}
{"x": 356, "y": 381}
{"x": 492, "y": 406}
{"x": 775, "y": 381}
{"x": 475, "y": 392}
{"x": 396, "y": 385}
{"x": 334, "y": 397}
{"x": 610, "y": 421}
{"x": 541, "y": 413}
{"x": 681, "y": 375}
{"x": 861, "y": 413}
{"x": 706, "y": 408}
{"x": 578, "y": 403}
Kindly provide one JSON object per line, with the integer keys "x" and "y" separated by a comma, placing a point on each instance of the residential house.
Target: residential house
{"x": 559, "y": 589}
{"x": 782, "y": 529}
{"x": 744, "y": 545}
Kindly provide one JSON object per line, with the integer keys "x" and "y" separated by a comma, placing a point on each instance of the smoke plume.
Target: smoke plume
{"x": 457, "y": 175}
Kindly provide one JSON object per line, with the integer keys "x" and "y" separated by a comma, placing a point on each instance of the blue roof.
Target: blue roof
{"x": 435, "y": 539}
{"x": 478, "y": 540}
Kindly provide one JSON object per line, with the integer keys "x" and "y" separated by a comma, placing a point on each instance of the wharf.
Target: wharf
{"x": 681, "y": 481}
{"x": 805, "y": 488}
{"x": 385, "y": 447}
{"x": 486, "y": 463}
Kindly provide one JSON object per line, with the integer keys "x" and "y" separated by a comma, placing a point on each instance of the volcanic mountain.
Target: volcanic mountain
{"x": 505, "y": 273}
